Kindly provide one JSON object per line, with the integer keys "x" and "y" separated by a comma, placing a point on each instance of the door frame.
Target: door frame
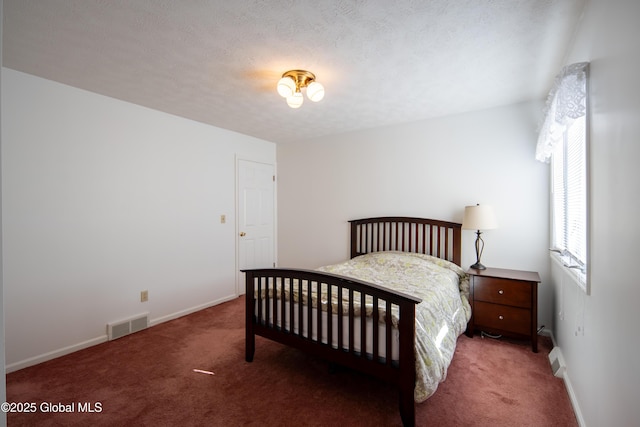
{"x": 239, "y": 281}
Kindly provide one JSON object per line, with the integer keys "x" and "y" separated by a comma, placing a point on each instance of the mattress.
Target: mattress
{"x": 440, "y": 318}
{"x": 357, "y": 334}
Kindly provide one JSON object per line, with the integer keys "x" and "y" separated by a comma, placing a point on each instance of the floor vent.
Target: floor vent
{"x": 557, "y": 362}
{"x": 128, "y": 326}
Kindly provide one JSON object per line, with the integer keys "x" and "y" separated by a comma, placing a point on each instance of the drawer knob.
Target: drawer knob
{"x": 501, "y": 317}
{"x": 501, "y": 292}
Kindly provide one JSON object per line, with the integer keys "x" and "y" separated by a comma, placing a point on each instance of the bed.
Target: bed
{"x": 321, "y": 311}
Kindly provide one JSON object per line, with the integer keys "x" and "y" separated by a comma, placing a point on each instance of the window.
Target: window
{"x": 569, "y": 198}
{"x": 563, "y": 142}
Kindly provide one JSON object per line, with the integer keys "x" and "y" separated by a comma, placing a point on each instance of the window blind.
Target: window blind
{"x": 569, "y": 198}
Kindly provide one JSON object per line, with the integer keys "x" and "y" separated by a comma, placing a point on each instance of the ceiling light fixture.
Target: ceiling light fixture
{"x": 293, "y": 81}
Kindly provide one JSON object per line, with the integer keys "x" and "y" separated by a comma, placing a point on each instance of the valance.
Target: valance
{"x": 565, "y": 103}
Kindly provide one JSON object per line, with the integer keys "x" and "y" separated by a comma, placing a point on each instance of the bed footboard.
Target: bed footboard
{"x": 321, "y": 313}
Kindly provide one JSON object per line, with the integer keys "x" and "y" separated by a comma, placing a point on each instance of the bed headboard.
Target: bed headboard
{"x": 396, "y": 233}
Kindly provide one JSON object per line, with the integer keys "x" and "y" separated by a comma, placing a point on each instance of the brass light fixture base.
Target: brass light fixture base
{"x": 302, "y": 78}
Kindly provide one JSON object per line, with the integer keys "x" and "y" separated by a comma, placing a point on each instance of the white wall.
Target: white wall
{"x": 428, "y": 169}
{"x": 602, "y": 361}
{"x": 103, "y": 199}
{"x": 3, "y": 386}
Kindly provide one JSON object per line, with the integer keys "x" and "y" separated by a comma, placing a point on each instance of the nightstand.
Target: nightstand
{"x": 504, "y": 302}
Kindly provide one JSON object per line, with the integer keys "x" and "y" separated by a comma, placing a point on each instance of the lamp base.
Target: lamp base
{"x": 478, "y": 266}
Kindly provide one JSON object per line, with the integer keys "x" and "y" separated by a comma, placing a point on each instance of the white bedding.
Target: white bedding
{"x": 442, "y": 315}
{"x": 440, "y": 318}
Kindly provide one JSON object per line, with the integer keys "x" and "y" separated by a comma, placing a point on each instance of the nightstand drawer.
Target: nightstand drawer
{"x": 495, "y": 316}
{"x": 502, "y": 291}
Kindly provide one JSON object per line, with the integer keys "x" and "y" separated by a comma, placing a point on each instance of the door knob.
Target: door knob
{"x": 242, "y": 234}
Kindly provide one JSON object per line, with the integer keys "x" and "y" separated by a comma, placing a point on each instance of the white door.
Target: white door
{"x": 256, "y": 219}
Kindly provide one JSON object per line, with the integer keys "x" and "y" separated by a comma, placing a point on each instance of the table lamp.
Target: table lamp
{"x": 479, "y": 218}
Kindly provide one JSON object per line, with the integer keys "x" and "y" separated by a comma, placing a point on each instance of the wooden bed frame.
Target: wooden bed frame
{"x": 432, "y": 237}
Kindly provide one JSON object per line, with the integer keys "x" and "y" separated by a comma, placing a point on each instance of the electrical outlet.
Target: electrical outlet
{"x": 144, "y": 296}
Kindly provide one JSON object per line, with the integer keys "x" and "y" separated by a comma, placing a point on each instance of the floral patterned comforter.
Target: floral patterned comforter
{"x": 441, "y": 316}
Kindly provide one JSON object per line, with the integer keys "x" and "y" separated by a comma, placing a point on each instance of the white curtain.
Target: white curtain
{"x": 565, "y": 103}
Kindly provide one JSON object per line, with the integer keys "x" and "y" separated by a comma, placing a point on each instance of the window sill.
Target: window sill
{"x": 580, "y": 278}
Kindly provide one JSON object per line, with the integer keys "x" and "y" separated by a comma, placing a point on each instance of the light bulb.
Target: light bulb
{"x": 286, "y": 87}
{"x": 315, "y": 91}
{"x": 295, "y": 100}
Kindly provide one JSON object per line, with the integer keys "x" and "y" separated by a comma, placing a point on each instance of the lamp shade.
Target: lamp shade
{"x": 286, "y": 87}
{"x": 479, "y": 217}
{"x": 315, "y": 91}
{"x": 295, "y": 100}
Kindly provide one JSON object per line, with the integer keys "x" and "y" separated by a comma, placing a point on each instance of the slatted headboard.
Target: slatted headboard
{"x": 395, "y": 233}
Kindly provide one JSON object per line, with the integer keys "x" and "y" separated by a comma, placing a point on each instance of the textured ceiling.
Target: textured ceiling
{"x": 381, "y": 62}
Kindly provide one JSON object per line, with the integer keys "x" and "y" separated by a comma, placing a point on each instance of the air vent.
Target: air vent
{"x": 128, "y": 326}
{"x": 557, "y": 362}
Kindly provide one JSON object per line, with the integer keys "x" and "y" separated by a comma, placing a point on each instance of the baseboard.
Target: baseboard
{"x": 548, "y": 333}
{"x": 54, "y": 354}
{"x": 567, "y": 383}
{"x": 101, "y": 339}
{"x": 177, "y": 314}
{"x": 574, "y": 400}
